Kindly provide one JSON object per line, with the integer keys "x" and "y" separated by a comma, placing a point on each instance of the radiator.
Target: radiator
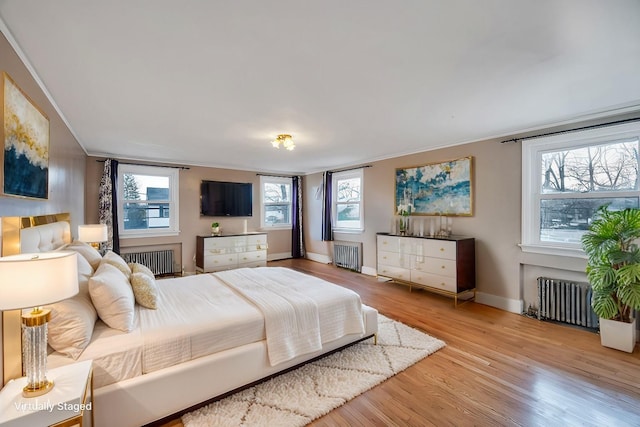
{"x": 160, "y": 262}
{"x": 566, "y": 302}
{"x": 348, "y": 255}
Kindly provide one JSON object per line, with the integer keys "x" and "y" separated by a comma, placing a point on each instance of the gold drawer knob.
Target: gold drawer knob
{"x": 441, "y": 249}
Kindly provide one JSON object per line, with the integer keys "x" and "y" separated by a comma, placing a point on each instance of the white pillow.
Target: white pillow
{"x": 84, "y": 268}
{"x": 112, "y": 297}
{"x": 116, "y": 260}
{"x": 71, "y": 325}
{"x": 87, "y": 251}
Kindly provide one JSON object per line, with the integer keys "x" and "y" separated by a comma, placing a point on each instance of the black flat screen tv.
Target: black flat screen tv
{"x": 219, "y": 198}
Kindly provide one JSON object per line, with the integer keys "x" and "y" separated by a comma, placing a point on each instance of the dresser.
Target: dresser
{"x": 443, "y": 265}
{"x": 217, "y": 253}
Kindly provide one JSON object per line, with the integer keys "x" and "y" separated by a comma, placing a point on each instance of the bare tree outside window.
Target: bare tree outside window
{"x": 577, "y": 181}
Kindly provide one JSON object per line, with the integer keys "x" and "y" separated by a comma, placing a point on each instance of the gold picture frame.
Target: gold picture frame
{"x": 443, "y": 188}
{"x": 25, "y": 133}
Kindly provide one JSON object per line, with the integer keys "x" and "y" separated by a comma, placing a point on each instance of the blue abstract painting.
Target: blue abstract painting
{"x": 25, "y": 164}
{"x": 444, "y": 188}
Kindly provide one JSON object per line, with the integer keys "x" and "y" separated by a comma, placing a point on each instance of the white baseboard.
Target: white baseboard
{"x": 369, "y": 271}
{"x": 324, "y": 259}
{"x": 512, "y": 305}
{"x": 275, "y": 257}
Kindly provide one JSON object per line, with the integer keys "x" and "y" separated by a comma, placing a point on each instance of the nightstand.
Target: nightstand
{"x": 70, "y": 402}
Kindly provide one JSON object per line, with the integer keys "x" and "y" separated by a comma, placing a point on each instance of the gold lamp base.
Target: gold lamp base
{"x": 37, "y": 390}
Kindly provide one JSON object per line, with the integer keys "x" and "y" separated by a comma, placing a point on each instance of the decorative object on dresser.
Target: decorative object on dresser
{"x": 33, "y": 280}
{"x": 94, "y": 234}
{"x": 216, "y": 253}
{"x": 442, "y": 265}
{"x": 215, "y": 228}
{"x": 436, "y": 189}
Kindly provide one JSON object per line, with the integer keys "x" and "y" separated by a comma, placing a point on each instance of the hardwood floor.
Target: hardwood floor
{"x": 498, "y": 368}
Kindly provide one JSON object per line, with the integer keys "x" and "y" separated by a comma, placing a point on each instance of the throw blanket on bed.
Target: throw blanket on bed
{"x": 300, "y": 311}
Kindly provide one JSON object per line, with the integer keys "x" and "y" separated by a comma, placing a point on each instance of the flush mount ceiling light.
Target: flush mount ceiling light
{"x": 285, "y": 140}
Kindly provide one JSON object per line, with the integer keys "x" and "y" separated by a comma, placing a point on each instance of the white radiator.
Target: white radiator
{"x": 160, "y": 262}
{"x": 566, "y": 302}
{"x": 348, "y": 255}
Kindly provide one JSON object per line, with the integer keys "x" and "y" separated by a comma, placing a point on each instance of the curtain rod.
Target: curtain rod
{"x": 143, "y": 164}
{"x": 351, "y": 169}
{"x": 571, "y": 130}
{"x": 276, "y": 176}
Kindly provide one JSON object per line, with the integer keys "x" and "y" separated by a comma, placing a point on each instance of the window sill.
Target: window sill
{"x": 148, "y": 235}
{"x": 553, "y": 251}
{"x": 348, "y": 230}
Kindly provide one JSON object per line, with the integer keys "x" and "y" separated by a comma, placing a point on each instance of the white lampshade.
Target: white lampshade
{"x": 92, "y": 233}
{"x": 32, "y": 280}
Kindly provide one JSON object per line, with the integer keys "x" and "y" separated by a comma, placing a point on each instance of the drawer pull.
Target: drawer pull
{"x": 443, "y": 267}
{"x": 441, "y": 249}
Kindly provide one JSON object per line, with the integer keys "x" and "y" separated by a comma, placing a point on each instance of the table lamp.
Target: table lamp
{"x": 93, "y": 234}
{"x": 33, "y": 280}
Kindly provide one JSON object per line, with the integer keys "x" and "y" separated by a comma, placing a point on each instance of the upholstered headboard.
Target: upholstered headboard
{"x": 26, "y": 235}
{"x": 44, "y": 238}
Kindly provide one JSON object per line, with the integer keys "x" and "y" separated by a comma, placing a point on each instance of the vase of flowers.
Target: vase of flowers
{"x": 403, "y": 221}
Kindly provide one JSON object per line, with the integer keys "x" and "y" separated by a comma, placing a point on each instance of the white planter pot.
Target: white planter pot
{"x": 618, "y": 335}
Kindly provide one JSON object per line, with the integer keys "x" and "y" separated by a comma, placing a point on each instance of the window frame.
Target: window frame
{"x": 174, "y": 200}
{"x": 532, "y": 150}
{"x": 345, "y": 175}
{"x": 264, "y": 179}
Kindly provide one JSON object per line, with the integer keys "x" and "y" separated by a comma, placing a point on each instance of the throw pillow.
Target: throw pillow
{"x": 112, "y": 297}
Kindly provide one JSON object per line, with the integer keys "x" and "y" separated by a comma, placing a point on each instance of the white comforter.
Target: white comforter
{"x": 300, "y": 311}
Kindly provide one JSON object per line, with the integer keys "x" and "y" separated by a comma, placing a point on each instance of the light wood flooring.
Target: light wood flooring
{"x": 498, "y": 368}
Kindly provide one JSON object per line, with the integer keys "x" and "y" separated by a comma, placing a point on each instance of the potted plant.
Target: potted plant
{"x": 613, "y": 269}
{"x": 215, "y": 228}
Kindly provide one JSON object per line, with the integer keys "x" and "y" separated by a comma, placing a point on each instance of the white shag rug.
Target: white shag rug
{"x": 311, "y": 391}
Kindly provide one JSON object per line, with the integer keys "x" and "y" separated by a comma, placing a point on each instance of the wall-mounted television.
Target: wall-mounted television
{"x": 218, "y": 198}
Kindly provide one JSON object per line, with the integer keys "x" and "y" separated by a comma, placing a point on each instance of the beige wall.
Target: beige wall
{"x": 66, "y": 174}
{"x": 506, "y": 278}
{"x": 191, "y": 223}
{"x": 66, "y": 157}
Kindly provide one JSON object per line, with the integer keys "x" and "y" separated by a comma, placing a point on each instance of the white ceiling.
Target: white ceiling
{"x": 212, "y": 82}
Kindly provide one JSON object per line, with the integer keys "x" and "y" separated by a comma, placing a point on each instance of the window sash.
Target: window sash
{"x": 156, "y": 217}
{"x": 534, "y": 238}
{"x": 344, "y": 219}
{"x": 280, "y": 218}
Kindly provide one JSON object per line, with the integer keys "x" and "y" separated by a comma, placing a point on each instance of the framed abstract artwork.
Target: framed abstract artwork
{"x": 444, "y": 188}
{"x": 25, "y": 132}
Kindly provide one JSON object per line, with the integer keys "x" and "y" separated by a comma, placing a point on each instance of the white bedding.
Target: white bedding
{"x": 294, "y": 306}
{"x": 200, "y": 315}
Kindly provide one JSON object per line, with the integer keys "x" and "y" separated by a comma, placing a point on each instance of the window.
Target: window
{"x": 276, "y": 202}
{"x": 348, "y": 207}
{"x": 566, "y": 177}
{"x": 147, "y": 201}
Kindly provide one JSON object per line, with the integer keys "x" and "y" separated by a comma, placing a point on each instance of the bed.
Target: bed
{"x": 208, "y": 334}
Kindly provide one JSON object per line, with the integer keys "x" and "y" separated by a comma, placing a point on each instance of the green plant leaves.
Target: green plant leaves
{"x": 613, "y": 264}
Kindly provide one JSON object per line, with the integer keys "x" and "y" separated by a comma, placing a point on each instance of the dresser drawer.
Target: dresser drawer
{"x": 394, "y": 259}
{"x": 436, "y": 248}
{"x": 443, "y": 283}
{"x": 439, "y": 266}
{"x": 221, "y": 243}
{"x": 389, "y": 243}
{"x": 252, "y": 256}
{"x": 217, "y": 262}
{"x": 394, "y": 272}
{"x": 257, "y": 240}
